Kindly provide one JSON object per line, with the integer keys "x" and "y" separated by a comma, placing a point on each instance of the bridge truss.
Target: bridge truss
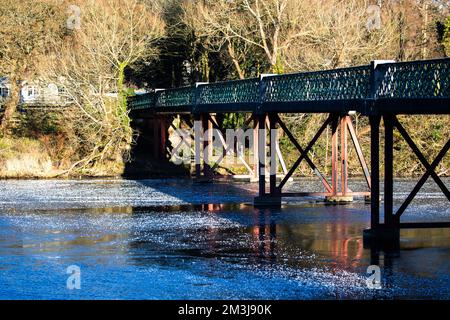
{"x": 380, "y": 91}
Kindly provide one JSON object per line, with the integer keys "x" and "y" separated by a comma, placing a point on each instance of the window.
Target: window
{"x": 4, "y": 92}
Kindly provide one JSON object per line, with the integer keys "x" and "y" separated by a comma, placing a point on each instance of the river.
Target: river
{"x": 175, "y": 239}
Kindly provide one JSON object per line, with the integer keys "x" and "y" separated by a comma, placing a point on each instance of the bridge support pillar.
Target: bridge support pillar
{"x": 333, "y": 193}
{"x": 207, "y": 129}
{"x": 273, "y": 190}
{"x": 198, "y": 132}
{"x": 159, "y": 126}
{"x": 256, "y": 154}
{"x": 271, "y": 198}
{"x": 381, "y": 237}
{"x": 203, "y": 136}
{"x": 267, "y": 201}
{"x": 156, "y": 141}
{"x": 340, "y": 192}
{"x": 387, "y": 234}
{"x": 389, "y": 230}
{"x": 262, "y": 136}
{"x": 163, "y": 137}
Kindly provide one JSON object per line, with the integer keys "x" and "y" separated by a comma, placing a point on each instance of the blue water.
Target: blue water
{"x": 173, "y": 239}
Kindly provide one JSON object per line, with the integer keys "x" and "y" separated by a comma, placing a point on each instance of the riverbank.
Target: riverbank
{"x": 26, "y": 158}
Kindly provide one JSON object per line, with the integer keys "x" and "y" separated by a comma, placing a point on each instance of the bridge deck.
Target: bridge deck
{"x": 417, "y": 87}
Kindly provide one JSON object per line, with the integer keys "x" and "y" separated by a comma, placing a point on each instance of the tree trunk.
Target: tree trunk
{"x": 236, "y": 64}
{"x": 277, "y": 65}
{"x": 122, "y": 97}
{"x": 10, "y": 106}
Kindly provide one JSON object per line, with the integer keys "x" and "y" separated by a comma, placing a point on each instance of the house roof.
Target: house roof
{"x": 3, "y": 81}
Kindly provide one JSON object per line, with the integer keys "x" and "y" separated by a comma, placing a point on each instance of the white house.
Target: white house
{"x": 4, "y": 88}
{"x": 35, "y": 94}
{"x": 39, "y": 94}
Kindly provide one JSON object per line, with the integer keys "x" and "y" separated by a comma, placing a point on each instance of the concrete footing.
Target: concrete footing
{"x": 368, "y": 199}
{"x": 381, "y": 238}
{"x": 267, "y": 201}
{"x": 338, "y": 199}
{"x": 203, "y": 180}
{"x": 247, "y": 178}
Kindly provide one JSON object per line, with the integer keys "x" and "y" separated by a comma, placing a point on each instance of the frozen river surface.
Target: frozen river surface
{"x": 173, "y": 239}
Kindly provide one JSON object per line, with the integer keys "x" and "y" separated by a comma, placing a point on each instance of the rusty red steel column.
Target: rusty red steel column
{"x": 334, "y": 157}
{"x": 344, "y": 155}
{"x": 359, "y": 152}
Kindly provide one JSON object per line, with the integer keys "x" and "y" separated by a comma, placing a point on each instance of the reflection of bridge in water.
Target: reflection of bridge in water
{"x": 280, "y": 236}
{"x": 381, "y": 90}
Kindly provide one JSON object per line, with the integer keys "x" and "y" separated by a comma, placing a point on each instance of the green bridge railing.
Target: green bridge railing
{"x": 427, "y": 80}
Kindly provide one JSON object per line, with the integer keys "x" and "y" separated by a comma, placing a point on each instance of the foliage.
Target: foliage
{"x": 446, "y": 40}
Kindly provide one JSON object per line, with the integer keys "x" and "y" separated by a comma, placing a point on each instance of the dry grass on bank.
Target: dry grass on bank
{"x": 24, "y": 158}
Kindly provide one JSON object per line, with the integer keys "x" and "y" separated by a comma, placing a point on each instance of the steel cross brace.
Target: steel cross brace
{"x": 304, "y": 153}
{"x": 430, "y": 169}
{"x": 345, "y": 124}
{"x": 227, "y": 148}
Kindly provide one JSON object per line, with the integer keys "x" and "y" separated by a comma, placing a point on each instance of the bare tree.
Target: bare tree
{"x": 339, "y": 36}
{"x": 417, "y": 20}
{"x": 29, "y": 31}
{"x": 113, "y": 35}
{"x": 210, "y": 22}
{"x": 292, "y": 35}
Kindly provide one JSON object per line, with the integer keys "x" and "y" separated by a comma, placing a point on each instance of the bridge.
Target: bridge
{"x": 380, "y": 90}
